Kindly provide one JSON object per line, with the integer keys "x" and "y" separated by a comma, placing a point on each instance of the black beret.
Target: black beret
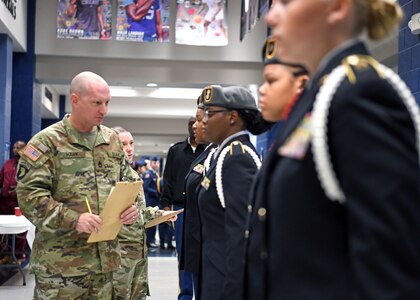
{"x": 200, "y": 102}
{"x": 233, "y": 97}
{"x": 271, "y": 56}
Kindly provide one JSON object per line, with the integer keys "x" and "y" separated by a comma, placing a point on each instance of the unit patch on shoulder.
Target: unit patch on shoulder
{"x": 32, "y": 152}
{"x": 23, "y": 170}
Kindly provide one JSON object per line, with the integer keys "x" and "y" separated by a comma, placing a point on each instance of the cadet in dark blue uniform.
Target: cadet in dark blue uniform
{"x": 140, "y": 166}
{"x": 283, "y": 84}
{"x": 337, "y": 202}
{"x": 223, "y": 192}
{"x": 180, "y": 157}
{"x": 191, "y": 252}
{"x": 150, "y": 184}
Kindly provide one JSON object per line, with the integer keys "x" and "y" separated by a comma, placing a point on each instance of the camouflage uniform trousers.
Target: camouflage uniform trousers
{"x": 92, "y": 287}
{"x": 130, "y": 281}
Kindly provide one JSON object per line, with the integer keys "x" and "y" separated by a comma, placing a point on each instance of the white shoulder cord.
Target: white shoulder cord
{"x": 320, "y": 148}
{"x": 219, "y": 167}
{"x": 208, "y": 160}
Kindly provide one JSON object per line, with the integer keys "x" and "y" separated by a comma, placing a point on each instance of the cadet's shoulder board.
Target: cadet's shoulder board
{"x": 360, "y": 63}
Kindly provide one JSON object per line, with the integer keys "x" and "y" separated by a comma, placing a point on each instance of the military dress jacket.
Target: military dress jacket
{"x": 150, "y": 185}
{"x": 222, "y": 229}
{"x": 191, "y": 240}
{"x": 57, "y": 171}
{"x": 302, "y": 245}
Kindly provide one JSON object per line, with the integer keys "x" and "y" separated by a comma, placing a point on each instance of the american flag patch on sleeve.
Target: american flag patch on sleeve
{"x": 32, "y": 153}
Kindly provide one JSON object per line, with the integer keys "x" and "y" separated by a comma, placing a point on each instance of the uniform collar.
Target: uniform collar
{"x": 75, "y": 137}
{"x": 330, "y": 59}
{"x": 224, "y": 143}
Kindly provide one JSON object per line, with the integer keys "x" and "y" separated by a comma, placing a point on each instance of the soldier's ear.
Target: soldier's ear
{"x": 74, "y": 98}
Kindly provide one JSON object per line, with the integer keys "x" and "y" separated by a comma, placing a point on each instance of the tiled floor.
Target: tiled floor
{"x": 163, "y": 280}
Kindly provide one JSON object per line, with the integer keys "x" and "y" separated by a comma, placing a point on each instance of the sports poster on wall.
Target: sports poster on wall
{"x": 263, "y": 7}
{"x": 244, "y": 19}
{"x": 252, "y": 14}
{"x": 201, "y": 23}
{"x": 84, "y": 19}
{"x": 143, "y": 20}
{"x": 249, "y": 16}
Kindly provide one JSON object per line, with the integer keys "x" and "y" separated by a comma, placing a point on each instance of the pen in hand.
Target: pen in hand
{"x": 88, "y": 206}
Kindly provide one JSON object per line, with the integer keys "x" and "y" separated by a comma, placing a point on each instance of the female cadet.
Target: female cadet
{"x": 223, "y": 193}
{"x": 131, "y": 279}
{"x": 283, "y": 84}
{"x": 191, "y": 252}
{"x": 337, "y": 211}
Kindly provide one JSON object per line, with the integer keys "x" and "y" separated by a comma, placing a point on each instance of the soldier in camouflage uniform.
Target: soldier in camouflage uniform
{"x": 69, "y": 161}
{"x": 131, "y": 280}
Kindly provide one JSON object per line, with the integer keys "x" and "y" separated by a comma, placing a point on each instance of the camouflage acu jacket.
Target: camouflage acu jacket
{"x": 58, "y": 169}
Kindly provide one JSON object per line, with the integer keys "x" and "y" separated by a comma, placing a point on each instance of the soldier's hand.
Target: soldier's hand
{"x": 130, "y": 215}
{"x": 88, "y": 223}
{"x": 173, "y": 219}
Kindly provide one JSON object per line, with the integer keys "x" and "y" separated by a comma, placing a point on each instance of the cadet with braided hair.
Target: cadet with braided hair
{"x": 336, "y": 210}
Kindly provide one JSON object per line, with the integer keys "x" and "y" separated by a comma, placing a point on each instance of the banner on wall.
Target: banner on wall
{"x": 201, "y": 23}
{"x": 263, "y": 7}
{"x": 252, "y": 14}
{"x": 244, "y": 19}
{"x": 84, "y": 19}
{"x": 249, "y": 16}
{"x": 143, "y": 21}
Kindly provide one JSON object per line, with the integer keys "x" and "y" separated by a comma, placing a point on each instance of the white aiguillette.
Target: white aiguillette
{"x": 122, "y": 196}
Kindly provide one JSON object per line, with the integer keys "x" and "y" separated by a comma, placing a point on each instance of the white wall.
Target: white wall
{"x": 15, "y": 28}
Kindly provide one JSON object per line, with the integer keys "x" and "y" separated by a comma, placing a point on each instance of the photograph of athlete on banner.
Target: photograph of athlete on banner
{"x": 84, "y": 19}
{"x": 201, "y": 23}
{"x": 143, "y": 20}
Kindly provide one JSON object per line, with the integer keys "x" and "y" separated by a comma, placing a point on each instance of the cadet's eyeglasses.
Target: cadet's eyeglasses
{"x": 209, "y": 113}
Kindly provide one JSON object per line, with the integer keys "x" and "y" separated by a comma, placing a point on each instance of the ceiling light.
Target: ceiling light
{"x": 151, "y": 84}
{"x": 176, "y": 93}
{"x": 123, "y": 92}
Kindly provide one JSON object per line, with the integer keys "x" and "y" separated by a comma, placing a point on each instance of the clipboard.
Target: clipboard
{"x": 122, "y": 196}
{"x": 162, "y": 219}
